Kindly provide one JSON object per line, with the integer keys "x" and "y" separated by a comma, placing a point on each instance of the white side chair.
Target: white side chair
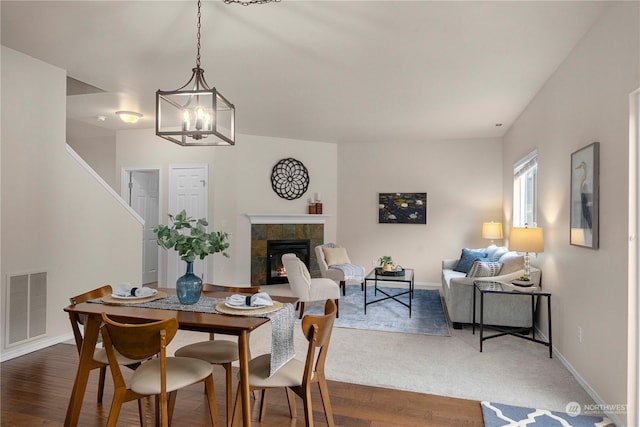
{"x": 335, "y": 264}
{"x": 302, "y": 286}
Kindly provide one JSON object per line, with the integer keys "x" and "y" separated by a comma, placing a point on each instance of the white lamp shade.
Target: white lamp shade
{"x": 526, "y": 240}
{"x": 492, "y": 230}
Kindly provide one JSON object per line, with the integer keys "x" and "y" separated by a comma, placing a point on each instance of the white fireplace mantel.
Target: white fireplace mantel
{"x": 274, "y": 218}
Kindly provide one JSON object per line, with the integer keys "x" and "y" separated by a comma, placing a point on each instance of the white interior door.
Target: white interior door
{"x": 187, "y": 190}
{"x": 141, "y": 191}
{"x": 144, "y": 200}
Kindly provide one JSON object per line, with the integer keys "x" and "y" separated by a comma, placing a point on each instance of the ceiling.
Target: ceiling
{"x": 334, "y": 71}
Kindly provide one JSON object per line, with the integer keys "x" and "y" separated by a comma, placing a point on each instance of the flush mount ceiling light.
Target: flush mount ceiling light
{"x": 196, "y": 114}
{"x": 129, "y": 116}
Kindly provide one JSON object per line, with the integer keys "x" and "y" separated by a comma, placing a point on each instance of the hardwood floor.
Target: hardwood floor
{"x": 35, "y": 390}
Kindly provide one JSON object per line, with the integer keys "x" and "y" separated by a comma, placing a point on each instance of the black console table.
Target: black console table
{"x": 485, "y": 287}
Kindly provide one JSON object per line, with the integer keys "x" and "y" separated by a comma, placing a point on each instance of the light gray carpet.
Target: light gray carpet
{"x": 509, "y": 370}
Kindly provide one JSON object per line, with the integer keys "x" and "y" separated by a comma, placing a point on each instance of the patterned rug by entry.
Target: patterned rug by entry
{"x": 501, "y": 415}
{"x": 427, "y": 313}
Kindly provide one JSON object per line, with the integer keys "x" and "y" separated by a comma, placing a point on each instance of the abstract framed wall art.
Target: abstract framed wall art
{"x": 402, "y": 208}
{"x": 585, "y": 186}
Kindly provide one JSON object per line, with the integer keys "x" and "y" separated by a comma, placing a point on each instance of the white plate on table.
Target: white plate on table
{"x": 131, "y": 297}
{"x": 243, "y": 307}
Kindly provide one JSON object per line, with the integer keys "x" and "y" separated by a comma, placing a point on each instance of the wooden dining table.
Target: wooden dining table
{"x": 235, "y": 325}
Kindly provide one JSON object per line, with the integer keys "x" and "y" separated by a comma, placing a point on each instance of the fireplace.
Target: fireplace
{"x": 266, "y": 227}
{"x": 275, "y": 249}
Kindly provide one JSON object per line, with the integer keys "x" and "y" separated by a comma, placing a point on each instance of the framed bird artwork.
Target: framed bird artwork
{"x": 585, "y": 177}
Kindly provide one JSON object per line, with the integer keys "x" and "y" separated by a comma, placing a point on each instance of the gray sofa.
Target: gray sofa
{"x": 502, "y": 310}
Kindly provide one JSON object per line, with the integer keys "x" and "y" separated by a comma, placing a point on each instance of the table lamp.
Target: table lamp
{"x": 524, "y": 239}
{"x": 492, "y": 230}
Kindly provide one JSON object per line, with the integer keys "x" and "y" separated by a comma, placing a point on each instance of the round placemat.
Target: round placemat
{"x": 221, "y": 308}
{"x": 108, "y": 299}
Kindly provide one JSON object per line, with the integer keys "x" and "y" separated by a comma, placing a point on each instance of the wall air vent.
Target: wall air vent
{"x": 26, "y": 307}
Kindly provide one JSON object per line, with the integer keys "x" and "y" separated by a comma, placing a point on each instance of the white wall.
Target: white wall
{"x": 239, "y": 183}
{"x": 586, "y": 100}
{"x": 96, "y": 146}
{"x": 463, "y": 182}
{"x": 55, "y": 216}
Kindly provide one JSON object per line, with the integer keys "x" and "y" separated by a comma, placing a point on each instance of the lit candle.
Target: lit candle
{"x": 199, "y": 118}
{"x": 185, "y": 120}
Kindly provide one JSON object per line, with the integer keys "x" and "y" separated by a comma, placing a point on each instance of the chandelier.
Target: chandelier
{"x": 195, "y": 112}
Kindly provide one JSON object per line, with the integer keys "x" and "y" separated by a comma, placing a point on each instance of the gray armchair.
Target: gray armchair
{"x": 340, "y": 269}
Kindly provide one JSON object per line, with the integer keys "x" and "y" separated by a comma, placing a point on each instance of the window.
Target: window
{"x": 525, "y": 190}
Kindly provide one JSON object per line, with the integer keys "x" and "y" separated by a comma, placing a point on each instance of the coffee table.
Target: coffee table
{"x": 406, "y": 277}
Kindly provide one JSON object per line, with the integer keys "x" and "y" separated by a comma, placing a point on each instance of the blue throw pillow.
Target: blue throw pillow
{"x": 467, "y": 258}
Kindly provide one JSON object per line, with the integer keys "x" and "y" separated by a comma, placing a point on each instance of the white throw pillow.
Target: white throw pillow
{"x": 494, "y": 251}
{"x": 512, "y": 262}
{"x": 485, "y": 269}
{"x": 336, "y": 256}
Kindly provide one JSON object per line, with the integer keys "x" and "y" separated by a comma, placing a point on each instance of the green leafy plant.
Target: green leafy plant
{"x": 197, "y": 243}
{"x": 523, "y": 278}
{"x": 384, "y": 260}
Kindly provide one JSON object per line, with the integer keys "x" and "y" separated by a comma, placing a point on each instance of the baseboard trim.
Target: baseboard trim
{"x": 583, "y": 383}
{"x": 34, "y": 346}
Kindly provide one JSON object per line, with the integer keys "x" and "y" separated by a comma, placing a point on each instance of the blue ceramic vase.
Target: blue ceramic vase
{"x": 189, "y": 286}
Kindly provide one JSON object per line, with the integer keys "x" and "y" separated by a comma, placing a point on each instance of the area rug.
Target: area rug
{"x": 427, "y": 313}
{"x": 501, "y": 415}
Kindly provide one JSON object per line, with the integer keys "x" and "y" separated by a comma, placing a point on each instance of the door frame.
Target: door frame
{"x": 124, "y": 192}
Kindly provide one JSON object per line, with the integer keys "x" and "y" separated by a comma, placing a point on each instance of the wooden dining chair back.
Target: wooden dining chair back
{"x": 219, "y": 351}
{"x": 298, "y": 376}
{"x": 161, "y": 376}
{"x": 317, "y": 330}
{"x": 100, "y": 360}
{"x": 79, "y": 320}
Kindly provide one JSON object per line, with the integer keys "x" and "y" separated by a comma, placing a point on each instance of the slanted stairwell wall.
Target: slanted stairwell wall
{"x": 55, "y": 216}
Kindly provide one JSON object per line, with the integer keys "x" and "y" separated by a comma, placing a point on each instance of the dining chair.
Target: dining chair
{"x": 218, "y": 351}
{"x": 334, "y": 264}
{"x": 305, "y": 288}
{"x": 160, "y": 376}
{"x": 297, "y": 376}
{"x": 100, "y": 360}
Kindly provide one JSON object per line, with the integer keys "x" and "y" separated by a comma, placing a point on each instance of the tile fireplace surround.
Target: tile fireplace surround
{"x": 283, "y": 227}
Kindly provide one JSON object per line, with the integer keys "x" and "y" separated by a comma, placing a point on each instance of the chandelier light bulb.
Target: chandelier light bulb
{"x": 199, "y": 117}
{"x": 185, "y": 120}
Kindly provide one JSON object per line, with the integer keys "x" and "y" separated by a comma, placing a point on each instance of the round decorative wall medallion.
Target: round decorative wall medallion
{"x": 290, "y": 179}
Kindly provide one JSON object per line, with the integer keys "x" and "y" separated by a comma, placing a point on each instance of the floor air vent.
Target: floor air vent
{"x": 26, "y": 307}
